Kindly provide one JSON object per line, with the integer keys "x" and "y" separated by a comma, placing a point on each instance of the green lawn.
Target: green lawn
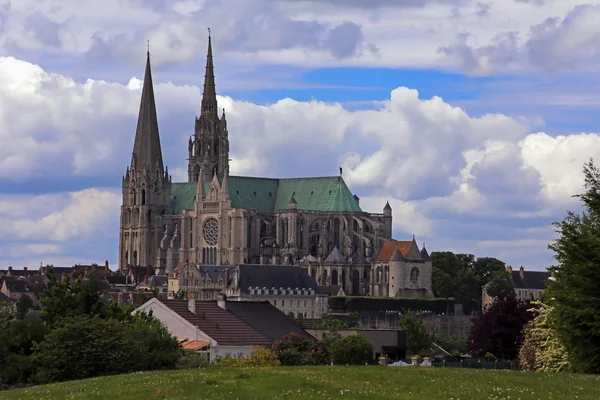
{"x": 363, "y": 382}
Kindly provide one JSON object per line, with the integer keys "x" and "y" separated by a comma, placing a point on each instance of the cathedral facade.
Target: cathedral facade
{"x": 220, "y": 219}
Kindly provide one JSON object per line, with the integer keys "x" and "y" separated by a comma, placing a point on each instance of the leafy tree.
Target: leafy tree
{"x": 293, "y": 349}
{"x": 418, "y": 338}
{"x": 575, "y": 291}
{"x": 352, "y": 350}
{"x": 500, "y": 286}
{"x": 451, "y": 343}
{"x": 499, "y": 330}
{"x": 486, "y": 268}
{"x": 84, "y": 346}
{"x": 7, "y": 309}
{"x": 24, "y": 304}
{"x": 542, "y": 350}
{"x": 17, "y": 341}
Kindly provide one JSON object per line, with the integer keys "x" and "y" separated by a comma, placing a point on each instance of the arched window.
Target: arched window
{"x": 143, "y": 197}
{"x": 149, "y": 217}
{"x": 378, "y": 275}
{"x": 334, "y": 277}
{"x": 414, "y": 276}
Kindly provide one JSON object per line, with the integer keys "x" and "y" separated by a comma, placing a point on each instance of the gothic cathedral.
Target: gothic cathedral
{"x": 220, "y": 219}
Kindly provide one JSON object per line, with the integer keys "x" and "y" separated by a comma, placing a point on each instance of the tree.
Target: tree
{"x": 575, "y": 290}
{"x": 500, "y": 286}
{"x": 352, "y": 350}
{"x": 486, "y": 268}
{"x": 542, "y": 350}
{"x": 331, "y": 324}
{"x": 24, "y": 304}
{"x": 418, "y": 337}
{"x": 499, "y": 330}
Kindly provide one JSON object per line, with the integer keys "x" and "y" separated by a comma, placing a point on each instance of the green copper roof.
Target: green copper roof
{"x": 269, "y": 195}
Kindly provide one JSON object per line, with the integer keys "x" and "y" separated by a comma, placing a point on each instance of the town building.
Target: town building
{"x": 528, "y": 285}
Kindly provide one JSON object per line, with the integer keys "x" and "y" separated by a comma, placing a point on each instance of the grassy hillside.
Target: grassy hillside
{"x": 371, "y": 382}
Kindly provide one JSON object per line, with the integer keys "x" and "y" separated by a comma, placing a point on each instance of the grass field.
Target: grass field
{"x": 363, "y": 382}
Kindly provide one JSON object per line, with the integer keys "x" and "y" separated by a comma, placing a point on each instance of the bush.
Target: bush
{"x": 451, "y": 343}
{"x": 298, "y": 350}
{"x": 83, "y": 347}
{"x": 189, "y": 360}
{"x": 260, "y": 357}
{"x": 352, "y": 350}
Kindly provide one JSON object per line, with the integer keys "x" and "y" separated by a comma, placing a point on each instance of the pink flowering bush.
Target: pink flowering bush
{"x": 294, "y": 349}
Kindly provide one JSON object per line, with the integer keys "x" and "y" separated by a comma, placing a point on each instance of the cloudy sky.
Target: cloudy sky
{"x": 473, "y": 119}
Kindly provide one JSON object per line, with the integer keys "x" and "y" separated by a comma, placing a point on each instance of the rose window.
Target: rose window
{"x": 211, "y": 232}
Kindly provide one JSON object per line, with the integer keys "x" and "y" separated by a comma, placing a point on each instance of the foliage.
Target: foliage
{"x": 24, "y": 304}
{"x": 190, "y": 359}
{"x": 575, "y": 291}
{"x": 17, "y": 340}
{"x": 542, "y": 350}
{"x": 331, "y": 324}
{"x": 462, "y": 276}
{"x": 293, "y": 349}
{"x": 352, "y": 350}
{"x": 499, "y": 330}
{"x": 418, "y": 338}
{"x": 320, "y": 382}
{"x": 451, "y": 343}
{"x": 500, "y": 286}
{"x": 7, "y": 309}
{"x": 85, "y": 346}
{"x": 260, "y": 357}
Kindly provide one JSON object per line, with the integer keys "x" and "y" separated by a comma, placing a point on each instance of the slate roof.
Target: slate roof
{"x": 221, "y": 325}
{"x": 358, "y": 258}
{"x": 269, "y": 195}
{"x": 265, "y": 318}
{"x": 335, "y": 257}
{"x": 274, "y": 276}
{"x": 158, "y": 280}
{"x": 17, "y": 285}
{"x": 530, "y": 279}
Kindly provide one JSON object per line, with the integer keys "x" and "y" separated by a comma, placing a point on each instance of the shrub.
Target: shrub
{"x": 260, "y": 357}
{"x": 82, "y": 347}
{"x": 293, "y": 349}
{"x": 352, "y": 350}
{"x": 189, "y": 360}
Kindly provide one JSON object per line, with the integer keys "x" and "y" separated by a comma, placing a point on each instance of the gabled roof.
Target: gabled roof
{"x": 265, "y": 318}
{"x": 270, "y": 195}
{"x": 530, "y": 279}
{"x": 387, "y": 249}
{"x": 269, "y": 276}
{"x": 335, "y": 257}
{"x": 221, "y": 325}
{"x": 358, "y": 258}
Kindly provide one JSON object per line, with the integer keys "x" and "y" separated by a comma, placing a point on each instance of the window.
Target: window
{"x": 414, "y": 276}
{"x": 282, "y": 303}
{"x": 275, "y": 303}
{"x": 305, "y": 303}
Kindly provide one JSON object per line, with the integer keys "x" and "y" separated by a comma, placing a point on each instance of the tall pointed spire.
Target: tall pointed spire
{"x": 146, "y": 148}
{"x": 209, "y": 95}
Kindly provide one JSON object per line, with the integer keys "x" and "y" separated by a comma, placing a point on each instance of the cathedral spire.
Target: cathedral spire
{"x": 146, "y": 148}
{"x": 209, "y": 95}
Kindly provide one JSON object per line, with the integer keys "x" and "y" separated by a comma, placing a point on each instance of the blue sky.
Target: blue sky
{"x": 472, "y": 118}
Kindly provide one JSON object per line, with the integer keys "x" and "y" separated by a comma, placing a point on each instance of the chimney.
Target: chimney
{"x": 522, "y": 272}
{"x": 221, "y": 301}
{"x": 509, "y": 269}
{"x": 25, "y": 269}
{"x": 9, "y": 269}
{"x": 192, "y": 305}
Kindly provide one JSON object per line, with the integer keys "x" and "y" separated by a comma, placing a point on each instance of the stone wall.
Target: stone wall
{"x": 457, "y": 325}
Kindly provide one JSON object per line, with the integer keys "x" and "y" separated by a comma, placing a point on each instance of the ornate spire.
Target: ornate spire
{"x": 146, "y": 148}
{"x": 209, "y": 95}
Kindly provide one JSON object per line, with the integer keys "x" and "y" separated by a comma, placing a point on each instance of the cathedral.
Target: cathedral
{"x": 220, "y": 219}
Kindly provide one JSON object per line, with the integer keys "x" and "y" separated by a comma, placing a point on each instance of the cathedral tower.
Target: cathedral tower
{"x": 146, "y": 187}
{"x": 209, "y": 148}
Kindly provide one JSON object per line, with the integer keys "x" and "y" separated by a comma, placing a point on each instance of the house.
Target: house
{"x": 266, "y": 319}
{"x": 202, "y": 282}
{"x": 528, "y": 285}
{"x": 206, "y": 326}
{"x": 289, "y": 288}
{"x": 14, "y": 288}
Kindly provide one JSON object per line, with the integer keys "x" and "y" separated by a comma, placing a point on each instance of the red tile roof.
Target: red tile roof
{"x": 387, "y": 250}
{"x": 221, "y": 325}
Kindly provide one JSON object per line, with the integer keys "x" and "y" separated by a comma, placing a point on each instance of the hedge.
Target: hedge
{"x": 351, "y": 303}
